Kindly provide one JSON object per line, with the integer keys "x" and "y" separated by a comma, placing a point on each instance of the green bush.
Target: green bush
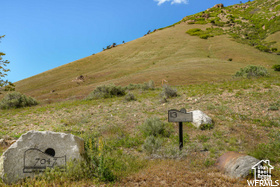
{"x": 148, "y": 85}
{"x": 106, "y": 91}
{"x": 205, "y": 36}
{"x": 152, "y": 144}
{"x": 168, "y": 92}
{"x": 155, "y": 127}
{"x": 133, "y": 86}
{"x": 263, "y": 48}
{"x": 194, "y": 32}
{"x": 16, "y": 100}
{"x": 252, "y": 71}
{"x": 207, "y": 126}
{"x": 129, "y": 97}
{"x": 276, "y": 67}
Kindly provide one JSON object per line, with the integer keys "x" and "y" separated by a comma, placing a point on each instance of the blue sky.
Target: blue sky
{"x": 44, "y": 34}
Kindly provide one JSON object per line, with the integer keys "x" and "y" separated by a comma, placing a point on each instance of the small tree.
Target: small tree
{"x": 3, "y": 72}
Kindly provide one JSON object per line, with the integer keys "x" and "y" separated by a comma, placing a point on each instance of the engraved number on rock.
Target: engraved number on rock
{"x": 44, "y": 161}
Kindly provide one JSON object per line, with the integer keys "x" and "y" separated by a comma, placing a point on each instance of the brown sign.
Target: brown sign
{"x": 179, "y": 116}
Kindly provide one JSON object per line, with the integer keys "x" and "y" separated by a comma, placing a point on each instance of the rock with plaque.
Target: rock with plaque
{"x": 35, "y": 151}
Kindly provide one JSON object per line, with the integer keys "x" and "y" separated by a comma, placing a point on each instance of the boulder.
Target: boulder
{"x": 35, "y": 151}
{"x": 219, "y": 5}
{"x": 200, "y": 118}
{"x": 236, "y": 165}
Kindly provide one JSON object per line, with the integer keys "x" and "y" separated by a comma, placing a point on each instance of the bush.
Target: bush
{"x": 16, "y": 100}
{"x": 106, "y": 91}
{"x": 263, "y": 48}
{"x": 148, "y": 85}
{"x": 276, "y": 67}
{"x": 252, "y": 71}
{"x": 129, "y": 97}
{"x": 155, "y": 127}
{"x": 194, "y": 32}
{"x": 152, "y": 144}
{"x": 133, "y": 86}
{"x": 205, "y": 36}
{"x": 168, "y": 92}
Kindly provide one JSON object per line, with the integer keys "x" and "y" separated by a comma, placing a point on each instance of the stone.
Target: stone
{"x": 236, "y": 165}
{"x": 200, "y": 118}
{"x": 34, "y": 151}
{"x": 219, "y": 5}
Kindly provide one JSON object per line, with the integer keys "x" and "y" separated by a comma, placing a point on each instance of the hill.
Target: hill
{"x": 171, "y": 54}
{"x": 118, "y": 151}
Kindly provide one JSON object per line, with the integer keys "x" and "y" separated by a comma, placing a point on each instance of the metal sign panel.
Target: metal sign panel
{"x": 179, "y": 116}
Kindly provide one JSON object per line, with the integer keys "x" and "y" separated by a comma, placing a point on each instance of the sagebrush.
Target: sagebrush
{"x": 106, "y": 91}
{"x": 17, "y": 100}
{"x": 252, "y": 71}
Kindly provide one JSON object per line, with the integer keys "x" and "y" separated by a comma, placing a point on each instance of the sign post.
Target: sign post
{"x": 180, "y": 116}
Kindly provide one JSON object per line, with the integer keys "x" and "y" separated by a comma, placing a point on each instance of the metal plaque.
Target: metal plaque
{"x": 179, "y": 116}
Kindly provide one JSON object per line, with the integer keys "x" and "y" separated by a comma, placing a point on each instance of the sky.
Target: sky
{"x": 43, "y": 34}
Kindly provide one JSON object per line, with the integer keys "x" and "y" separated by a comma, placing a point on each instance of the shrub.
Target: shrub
{"x": 106, "y": 91}
{"x": 230, "y": 59}
{"x": 148, "y": 85}
{"x": 252, "y": 71}
{"x": 129, "y": 97}
{"x": 16, "y": 100}
{"x": 152, "y": 144}
{"x": 168, "y": 92}
{"x": 194, "y": 32}
{"x": 155, "y": 127}
{"x": 276, "y": 67}
{"x": 205, "y": 36}
{"x": 263, "y": 48}
{"x": 133, "y": 86}
{"x": 207, "y": 126}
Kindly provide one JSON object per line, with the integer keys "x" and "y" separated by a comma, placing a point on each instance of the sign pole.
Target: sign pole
{"x": 180, "y": 116}
{"x": 181, "y": 135}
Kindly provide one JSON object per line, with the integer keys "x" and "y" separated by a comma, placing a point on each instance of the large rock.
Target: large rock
{"x": 34, "y": 151}
{"x": 200, "y": 118}
{"x": 236, "y": 165}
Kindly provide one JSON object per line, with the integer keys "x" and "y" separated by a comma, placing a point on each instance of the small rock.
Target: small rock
{"x": 200, "y": 118}
{"x": 236, "y": 165}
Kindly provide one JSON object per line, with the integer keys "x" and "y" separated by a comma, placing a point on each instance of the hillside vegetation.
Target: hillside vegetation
{"x": 170, "y": 54}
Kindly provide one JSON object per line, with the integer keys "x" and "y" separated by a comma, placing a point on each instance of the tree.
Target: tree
{"x": 3, "y": 72}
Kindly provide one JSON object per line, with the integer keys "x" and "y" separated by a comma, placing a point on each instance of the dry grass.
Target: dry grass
{"x": 275, "y": 38}
{"x": 168, "y": 54}
{"x": 239, "y": 108}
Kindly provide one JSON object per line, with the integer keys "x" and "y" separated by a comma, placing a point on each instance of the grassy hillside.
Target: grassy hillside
{"x": 245, "y": 111}
{"x": 168, "y": 54}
